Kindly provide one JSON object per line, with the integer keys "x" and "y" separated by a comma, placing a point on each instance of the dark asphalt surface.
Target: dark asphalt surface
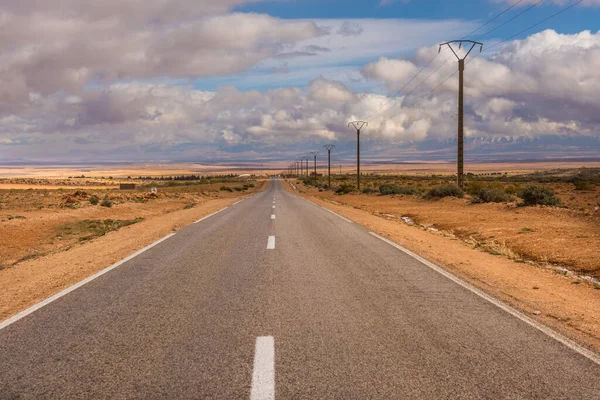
{"x": 352, "y": 318}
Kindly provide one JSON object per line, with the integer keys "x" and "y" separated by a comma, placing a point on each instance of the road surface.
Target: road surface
{"x": 275, "y": 297}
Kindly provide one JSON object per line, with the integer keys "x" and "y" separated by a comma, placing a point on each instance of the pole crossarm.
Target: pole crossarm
{"x": 460, "y": 44}
{"x": 358, "y": 125}
{"x": 329, "y": 147}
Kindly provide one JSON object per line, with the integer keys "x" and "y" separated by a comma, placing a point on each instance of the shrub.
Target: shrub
{"x": 583, "y": 185}
{"x": 450, "y": 190}
{"x": 345, "y": 189}
{"x": 541, "y": 195}
{"x": 226, "y": 189}
{"x": 487, "y": 195}
{"x": 106, "y": 203}
{"x": 511, "y": 189}
{"x": 239, "y": 189}
{"x": 473, "y": 188}
{"x": 389, "y": 188}
{"x": 94, "y": 200}
{"x": 369, "y": 191}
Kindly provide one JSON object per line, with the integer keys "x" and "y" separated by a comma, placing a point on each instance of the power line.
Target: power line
{"x": 510, "y": 20}
{"x": 393, "y": 98}
{"x": 493, "y": 19}
{"x": 537, "y": 24}
{"x": 489, "y": 48}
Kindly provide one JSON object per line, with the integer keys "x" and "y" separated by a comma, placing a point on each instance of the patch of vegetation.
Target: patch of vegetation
{"x": 345, "y": 189}
{"x": 534, "y": 195}
{"x": 91, "y": 229}
{"x": 450, "y": 190}
{"x": 388, "y": 189}
{"x": 473, "y": 188}
{"x": 226, "y": 189}
{"x": 487, "y": 195}
{"x": 369, "y": 191}
{"x": 30, "y": 257}
{"x": 94, "y": 200}
{"x": 189, "y": 205}
{"x": 106, "y": 203}
{"x": 16, "y": 217}
{"x": 526, "y": 230}
{"x": 581, "y": 184}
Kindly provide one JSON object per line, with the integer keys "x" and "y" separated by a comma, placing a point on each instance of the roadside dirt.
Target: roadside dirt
{"x": 568, "y": 304}
{"x": 55, "y": 260}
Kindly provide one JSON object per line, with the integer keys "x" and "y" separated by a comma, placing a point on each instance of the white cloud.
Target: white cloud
{"x": 85, "y": 83}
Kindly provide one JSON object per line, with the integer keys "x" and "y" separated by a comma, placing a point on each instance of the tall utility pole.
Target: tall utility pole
{"x": 329, "y": 147}
{"x": 306, "y": 159}
{"x": 315, "y": 154}
{"x": 461, "y": 69}
{"x": 358, "y": 125}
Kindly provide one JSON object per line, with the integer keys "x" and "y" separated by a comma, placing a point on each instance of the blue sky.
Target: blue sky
{"x": 433, "y": 12}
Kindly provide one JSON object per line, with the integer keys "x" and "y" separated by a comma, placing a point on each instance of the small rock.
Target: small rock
{"x": 536, "y": 287}
{"x": 536, "y": 312}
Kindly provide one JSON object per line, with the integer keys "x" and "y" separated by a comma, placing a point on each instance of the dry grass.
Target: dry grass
{"x": 37, "y": 222}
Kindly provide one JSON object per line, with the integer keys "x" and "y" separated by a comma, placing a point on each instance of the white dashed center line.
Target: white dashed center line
{"x": 271, "y": 243}
{"x": 272, "y": 216}
{"x": 273, "y": 206}
{"x": 263, "y": 376}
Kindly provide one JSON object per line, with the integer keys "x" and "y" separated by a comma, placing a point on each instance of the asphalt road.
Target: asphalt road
{"x": 322, "y": 310}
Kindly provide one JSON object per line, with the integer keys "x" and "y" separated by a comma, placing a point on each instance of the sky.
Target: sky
{"x": 236, "y": 80}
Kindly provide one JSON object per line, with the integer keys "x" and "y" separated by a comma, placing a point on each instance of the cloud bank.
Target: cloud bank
{"x": 115, "y": 81}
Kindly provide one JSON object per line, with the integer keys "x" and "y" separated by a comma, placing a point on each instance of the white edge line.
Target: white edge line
{"x": 79, "y": 284}
{"x": 512, "y": 311}
{"x": 210, "y": 215}
{"x": 263, "y": 373}
{"x": 334, "y": 213}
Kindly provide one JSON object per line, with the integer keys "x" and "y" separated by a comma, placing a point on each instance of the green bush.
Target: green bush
{"x": 473, "y": 188}
{"x": 450, "y": 190}
{"x": 226, "y": 189}
{"x": 369, "y": 191}
{"x": 240, "y": 189}
{"x": 345, "y": 189}
{"x": 106, "y": 203}
{"x": 541, "y": 195}
{"x": 94, "y": 200}
{"x": 388, "y": 188}
{"x": 511, "y": 189}
{"x": 488, "y": 195}
{"x": 583, "y": 185}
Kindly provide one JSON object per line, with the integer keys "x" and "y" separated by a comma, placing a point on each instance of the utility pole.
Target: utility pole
{"x": 306, "y": 159}
{"x": 461, "y": 69}
{"x": 358, "y": 125}
{"x": 315, "y": 154}
{"x": 329, "y": 147}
